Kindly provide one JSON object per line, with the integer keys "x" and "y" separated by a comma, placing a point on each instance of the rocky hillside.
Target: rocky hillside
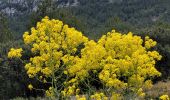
{"x": 15, "y": 7}
{"x": 93, "y": 14}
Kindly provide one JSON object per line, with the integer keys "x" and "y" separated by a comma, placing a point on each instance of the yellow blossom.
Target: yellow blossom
{"x": 15, "y": 53}
{"x": 30, "y": 86}
{"x": 164, "y": 97}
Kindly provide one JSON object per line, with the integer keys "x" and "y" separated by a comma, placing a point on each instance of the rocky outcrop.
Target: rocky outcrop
{"x": 17, "y": 7}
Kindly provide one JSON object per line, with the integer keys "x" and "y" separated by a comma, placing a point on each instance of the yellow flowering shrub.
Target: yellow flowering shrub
{"x": 116, "y": 62}
{"x": 121, "y": 61}
{"x": 53, "y": 43}
{"x": 127, "y": 57}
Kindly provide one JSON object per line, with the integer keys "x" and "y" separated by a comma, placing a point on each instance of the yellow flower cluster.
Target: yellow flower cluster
{"x": 126, "y": 57}
{"x": 53, "y": 41}
{"x": 15, "y": 53}
{"x": 54, "y": 45}
{"x": 116, "y": 96}
{"x": 98, "y": 96}
{"x": 164, "y": 97}
{"x": 140, "y": 93}
{"x": 50, "y": 92}
{"x": 53, "y": 34}
{"x": 30, "y": 86}
{"x": 46, "y": 71}
{"x": 149, "y": 42}
{"x": 80, "y": 97}
{"x": 70, "y": 90}
{"x": 91, "y": 57}
{"x": 118, "y": 56}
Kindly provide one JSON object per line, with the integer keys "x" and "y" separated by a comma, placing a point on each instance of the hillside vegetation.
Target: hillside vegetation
{"x": 93, "y": 18}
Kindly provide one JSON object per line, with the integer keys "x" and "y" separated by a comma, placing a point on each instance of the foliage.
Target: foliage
{"x": 5, "y": 34}
{"x": 68, "y": 63}
{"x": 13, "y": 77}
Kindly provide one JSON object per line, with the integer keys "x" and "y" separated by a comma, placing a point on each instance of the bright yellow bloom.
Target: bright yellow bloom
{"x": 149, "y": 42}
{"x": 46, "y": 71}
{"x": 116, "y": 96}
{"x": 164, "y": 97}
{"x": 80, "y": 97}
{"x": 15, "y": 53}
{"x": 30, "y": 86}
{"x": 99, "y": 96}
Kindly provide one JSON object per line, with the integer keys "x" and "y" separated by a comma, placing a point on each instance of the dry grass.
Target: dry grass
{"x": 159, "y": 89}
